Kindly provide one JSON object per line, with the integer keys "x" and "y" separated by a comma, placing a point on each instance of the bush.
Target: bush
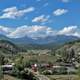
{"x": 22, "y": 73}
{"x": 47, "y": 72}
{"x": 61, "y": 70}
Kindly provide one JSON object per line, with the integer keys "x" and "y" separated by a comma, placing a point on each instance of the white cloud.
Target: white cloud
{"x": 19, "y": 32}
{"x": 70, "y": 31}
{"x": 77, "y": 34}
{"x": 13, "y": 12}
{"x": 31, "y": 31}
{"x": 5, "y": 30}
{"x": 59, "y": 12}
{"x": 43, "y": 31}
{"x": 38, "y": 31}
{"x": 41, "y": 18}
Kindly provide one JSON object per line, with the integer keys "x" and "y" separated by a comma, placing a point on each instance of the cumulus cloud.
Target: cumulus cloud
{"x": 59, "y": 12}
{"x": 31, "y": 31}
{"x": 18, "y": 32}
{"x": 13, "y": 12}
{"x": 77, "y": 34}
{"x": 37, "y": 31}
{"x": 70, "y": 31}
{"x": 5, "y": 30}
{"x": 41, "y": 18}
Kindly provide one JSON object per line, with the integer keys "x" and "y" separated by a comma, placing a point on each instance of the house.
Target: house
{"x": 34, "y": 67}
{"x": 7, "y": 68}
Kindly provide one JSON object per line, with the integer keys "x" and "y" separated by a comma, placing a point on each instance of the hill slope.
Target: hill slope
{"x": 8, "y": 47}
{"x": 69, "y": 50}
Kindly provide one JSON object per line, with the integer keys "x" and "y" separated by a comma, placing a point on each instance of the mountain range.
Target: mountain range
{"x": 40, "y": 41}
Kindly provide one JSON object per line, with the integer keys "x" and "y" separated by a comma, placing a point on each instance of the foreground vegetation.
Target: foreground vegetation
{"x": 53, "y": 64}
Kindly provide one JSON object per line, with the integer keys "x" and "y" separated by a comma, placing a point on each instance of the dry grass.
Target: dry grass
{"x": 40, "y": 58}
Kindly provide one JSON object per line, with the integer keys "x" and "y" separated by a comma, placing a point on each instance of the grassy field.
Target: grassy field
{"x": 64, "y": 77}
{"x": 40, "y": 58}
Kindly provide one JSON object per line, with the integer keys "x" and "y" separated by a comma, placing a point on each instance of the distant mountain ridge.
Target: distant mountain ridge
{"x": 47, "y": 41}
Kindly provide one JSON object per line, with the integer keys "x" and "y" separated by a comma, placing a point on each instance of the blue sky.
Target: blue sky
{"x": 57, "y": 15}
